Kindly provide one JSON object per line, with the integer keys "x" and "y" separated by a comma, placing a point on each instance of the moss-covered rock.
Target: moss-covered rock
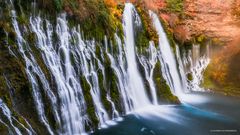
{"x": 3, "y": 129}
{"x": 146, "y": 32}
{"x": 90, "y": 105}
{"x": 104, "y": 92}
{"x": 163, "y": 91}
{"x": 15, "y": 89}
{"x": 112, "y": 84}
{"x": 189, "y": 77}
{"x": 97, "y": 18}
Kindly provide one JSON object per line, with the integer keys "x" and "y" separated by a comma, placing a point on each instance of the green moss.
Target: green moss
{"x": 147, "y": 32}
{"x": 22, "y": 19}
{"x": 112, "y": 82}
{"x": 90, "y": 105}
{"x": 103, "y": 90}
{"x": 32, "y": 41}
{"x": 114, "y": 46}
{"x": 96, "y": 20}
{"x": 142, "y": 42}
{"x": 114, "y": 93}
{"x": 163, "y": 91}
{"x": 189, "y": 77}
{"x": 3, "y": 129}
{"x": 98, "y": 52}
{"x": 20, "y": 101}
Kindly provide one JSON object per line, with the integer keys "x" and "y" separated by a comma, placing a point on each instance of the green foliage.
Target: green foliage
{"x": 58, "y": 5}
{"x": 95, "y": 17}
{"x": 175, "y": 6}
{"x": 22, "y": 19}
{"x": 99, "y": 22}
{"x": 201, "y": 38}
{"x": 147, "y": 32}
{"x": 142, "y": 42}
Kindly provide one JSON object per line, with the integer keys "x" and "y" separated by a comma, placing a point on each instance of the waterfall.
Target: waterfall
{"x": 167, "y": 58}
{"x": 136, "y": 86}
{"x": 90, "y": 83}
{"x": 32, "y": 69}
{"x": 121, "y": 73}
{"x": 181, "y": 70}
{"x": 67, "y": 84}
{"x": 195, "y": 64}
{"x": 149, "y": 64}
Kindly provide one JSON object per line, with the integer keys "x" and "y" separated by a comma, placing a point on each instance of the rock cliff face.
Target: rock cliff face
{"x": 198, "y": 21}
{"x": 218, "y": 20}
{"x": 212, "y": 18}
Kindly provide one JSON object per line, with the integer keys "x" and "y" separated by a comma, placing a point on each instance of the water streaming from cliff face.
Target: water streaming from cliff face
{"x": 149, "y": 63}
{"x": 12, "y": 124}
{"x": 167, "y": 58}
{"x": 136, "y": 86}
{"x": 71, "y": 58}
{"x": 181, "y": 70}
{"x": 91, "y": 83}
{"x": 194, "y": 64}
{"x": 33, "y": 69}
{"x": 58, "y": 62}
{"x": 118, "y": 65}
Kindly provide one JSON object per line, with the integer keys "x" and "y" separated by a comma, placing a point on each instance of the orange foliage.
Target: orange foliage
{"x": 219, "y": 71}
{"x": 236, "y": 9}
{"x": 110, "y": 3}
{"x": 220, "y": 64}
{"x": 114, "y": 10}
{"x": 181, "y": 33}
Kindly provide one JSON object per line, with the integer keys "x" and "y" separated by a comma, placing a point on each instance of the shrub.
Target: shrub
{"x": 175, "y": 5}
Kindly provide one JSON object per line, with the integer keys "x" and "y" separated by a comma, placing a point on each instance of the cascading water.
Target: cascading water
{"x": 181, "y": 70}
{"x": 167, "y": 58}
{"x": 79, "y": 91}
{"x": 194, "y": 65}
{"x": 33, "y": 69}
{"x": 136, "y": 86}
{"x": 67, "y": 84}
{"x": 121, "y": 73}
{"x": 8, "y": 120}
{"x": 149, "y": 64}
